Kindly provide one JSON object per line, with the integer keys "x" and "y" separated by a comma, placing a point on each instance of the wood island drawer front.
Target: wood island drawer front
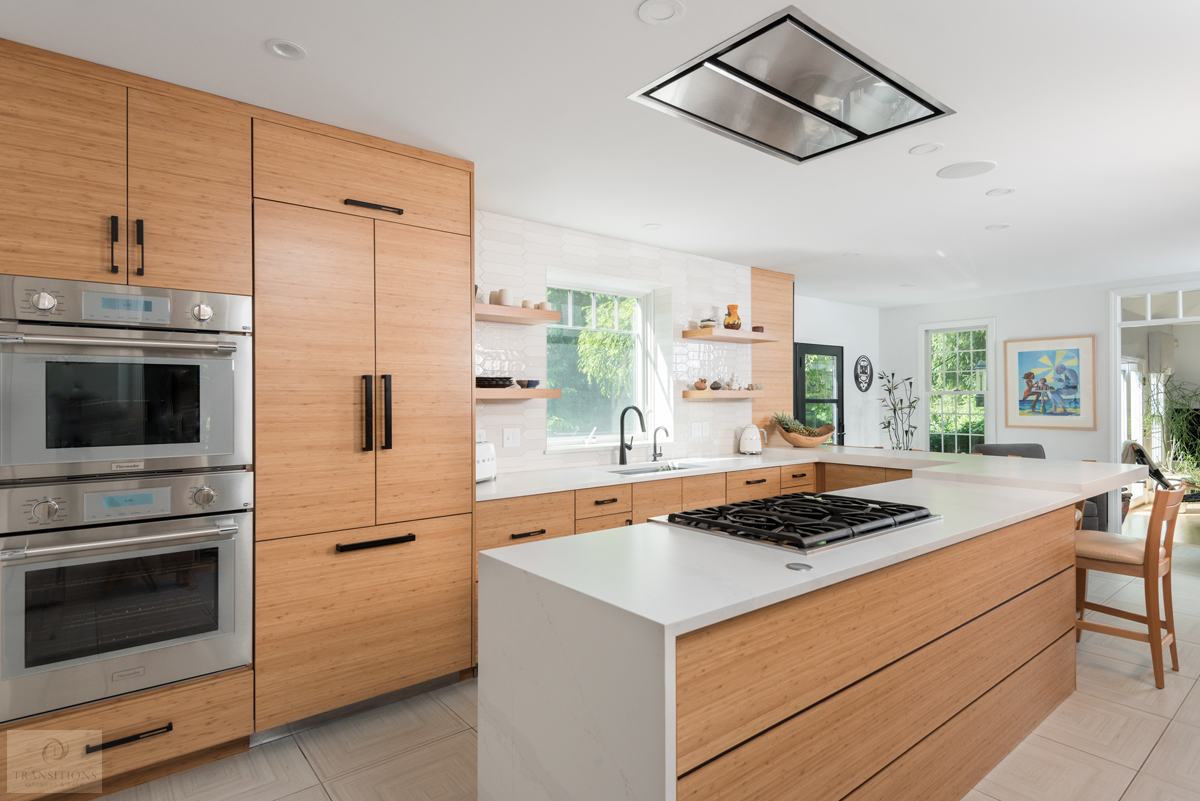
{"x": 655, "y": 498}
{"x": 700, "y": 492}
{"x": 173, "y": 721}
{"x": 849, "y": 476}
{"x": 587, "y": 524}
{"x": 747, "y": 485}
{"x": 528, "y": 519}
{"x": 849, "y": 737}
{"x": 890, "y": 474}
{"x": 603, "y": 501}
{"x": 790, "y": 655}
{"x": 799, "y": 477}
{"x": 321, "y": 172}
{"x": 346, "y": 616}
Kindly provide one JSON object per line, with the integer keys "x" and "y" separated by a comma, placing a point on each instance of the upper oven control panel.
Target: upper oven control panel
{"x": 70, "y": 505}
{"x": 54, "y": 300}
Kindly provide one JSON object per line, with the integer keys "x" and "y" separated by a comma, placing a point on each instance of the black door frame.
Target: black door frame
{"x": 800, "y": 350}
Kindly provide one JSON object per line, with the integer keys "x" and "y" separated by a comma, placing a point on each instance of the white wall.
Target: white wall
{"x": 1187, "y": 355}
{"x": 856, "y": 330}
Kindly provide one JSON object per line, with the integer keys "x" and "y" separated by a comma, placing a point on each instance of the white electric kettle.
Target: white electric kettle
{"x": 753, "y": 439}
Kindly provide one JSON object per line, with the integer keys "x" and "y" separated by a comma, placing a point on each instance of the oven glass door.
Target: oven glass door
{"x": 64, "y": 612}
{"x": 86, "y": 407}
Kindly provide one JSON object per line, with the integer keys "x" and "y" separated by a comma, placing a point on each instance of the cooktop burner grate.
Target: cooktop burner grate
{"x": 804, "y": 521}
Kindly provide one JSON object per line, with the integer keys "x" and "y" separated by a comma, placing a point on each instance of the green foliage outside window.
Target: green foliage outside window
{"x": 957, "y": 382}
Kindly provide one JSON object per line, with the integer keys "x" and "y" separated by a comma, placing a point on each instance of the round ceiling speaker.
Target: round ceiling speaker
{"x": 659, "y": 12}
{"x": 926, "y": 149}
{"x": 285, "y": 49}
{"x": 966, "y": 169}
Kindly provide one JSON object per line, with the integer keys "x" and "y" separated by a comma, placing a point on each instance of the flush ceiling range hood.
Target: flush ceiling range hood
{"x": 790, "y": 88}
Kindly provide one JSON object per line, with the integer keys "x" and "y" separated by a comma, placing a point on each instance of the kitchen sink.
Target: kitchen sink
{"x": 665, "y": 467}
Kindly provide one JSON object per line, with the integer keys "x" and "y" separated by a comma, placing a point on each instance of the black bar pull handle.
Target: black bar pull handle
{"x": 141, "y": 243}
{"x": 133, "y": 738}
{"x": 602, "y": 503}
{"x": 365, "y": 205}
{"x": 387, "y": 412}
{"x": 369, "y": 417}
{"x": 360, "y": 546}
{"x": 799, "y": 475}
{"x": 537, "y": 533}
{"x": 758, "y": 481}
{"x": 114, "y": 236}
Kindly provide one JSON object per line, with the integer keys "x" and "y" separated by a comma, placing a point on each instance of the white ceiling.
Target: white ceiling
{"x": 1090, "y": 107}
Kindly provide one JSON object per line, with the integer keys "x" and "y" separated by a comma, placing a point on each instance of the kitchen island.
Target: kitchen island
{"x": 654, "y": 662}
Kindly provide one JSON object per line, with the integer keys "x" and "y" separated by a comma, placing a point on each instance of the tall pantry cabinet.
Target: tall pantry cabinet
{"x": 364, "y": 452}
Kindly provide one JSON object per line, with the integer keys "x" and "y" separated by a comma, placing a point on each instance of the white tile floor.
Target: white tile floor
{"x": 1116, "y": 739}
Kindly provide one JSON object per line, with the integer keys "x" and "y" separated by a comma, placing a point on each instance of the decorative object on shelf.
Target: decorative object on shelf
{"x": 798, "y": 434}
{"x": 528, "y": 383}
{"x": 899, "y": 403}
{"x": 864, "y": 374}
{"x": 707, "y": 323}
{"x": 527, "y": 304}
{"x": 506, "y": 297}
{"x": 701, "y": 383}
{"x": 732, "y": 321}
{"x": 716, "y": 385}
{"x": 758, "y": 329}
{"x": 493, "y": 382}
{"x": 1050, "y": 383}
{"x": 756, "y": 387}
{"x": 546, "y": 305}
{"x": 494, "y": 297}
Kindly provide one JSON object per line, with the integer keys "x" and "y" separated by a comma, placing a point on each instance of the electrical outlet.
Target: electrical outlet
{"x": 706, "y": 429}
{"x": 480, "y": 435}
{"x": 512, "y": 437}
{"x": 697, "y": 429}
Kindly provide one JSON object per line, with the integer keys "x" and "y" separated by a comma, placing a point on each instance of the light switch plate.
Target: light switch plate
{"x": 512, "y": 437}
{"x": 481, "y": 435}
{"x": 697, "y": 429}
{"x": 707, "y": 432}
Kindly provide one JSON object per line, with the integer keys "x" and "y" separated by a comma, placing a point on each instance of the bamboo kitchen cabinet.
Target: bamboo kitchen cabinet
{"x": 104, "y": 183}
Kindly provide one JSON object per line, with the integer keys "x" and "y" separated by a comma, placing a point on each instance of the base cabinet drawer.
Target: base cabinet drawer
{"x": 849, "y": 476}
{"x": 345, "y": 616}
{"x": 655, "y": 498}
{"x": 798, "y": 478}
{"x": 603, "y": 522}
{"x": 514, "y": 520}
{"x": 157, "y": 725}
{"x": 603, "y": 501}
{"x": 700, "y": 492}
{"x": 891, "y": 474}
{"x": 748, "y": 485}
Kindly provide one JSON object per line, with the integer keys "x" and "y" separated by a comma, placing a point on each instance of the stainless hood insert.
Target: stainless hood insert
{"x": 790, "y": 88}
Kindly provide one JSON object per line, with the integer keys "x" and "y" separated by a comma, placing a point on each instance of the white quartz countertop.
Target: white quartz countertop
{"x": 1084, "y": 479}
{"x": 684, "y": 579}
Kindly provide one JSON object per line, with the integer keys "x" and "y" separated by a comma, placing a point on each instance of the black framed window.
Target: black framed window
{"x": 818, "y": 393}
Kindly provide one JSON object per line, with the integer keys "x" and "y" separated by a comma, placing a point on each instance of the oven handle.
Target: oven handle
{"x": 98, "y": 342}
{"x": 226, "y": 531}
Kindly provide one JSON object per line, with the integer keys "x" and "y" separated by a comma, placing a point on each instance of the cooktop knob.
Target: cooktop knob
{"x": 43, "y": 301}
{"x": 202, "y": 312}
{"x": 44, "y": 511}
{"x": 203, "y": 496}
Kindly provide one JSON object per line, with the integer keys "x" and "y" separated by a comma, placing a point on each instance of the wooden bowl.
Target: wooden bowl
{"x": 801, "y": 441}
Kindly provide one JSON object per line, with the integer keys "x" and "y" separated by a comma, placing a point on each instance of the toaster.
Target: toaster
{"x": 485, "y": 461}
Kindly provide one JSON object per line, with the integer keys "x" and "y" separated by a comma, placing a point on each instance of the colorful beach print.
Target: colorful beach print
{"x": 1051, "y": 382}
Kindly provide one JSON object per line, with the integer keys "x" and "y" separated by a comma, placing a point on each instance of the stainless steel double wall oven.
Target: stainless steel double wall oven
{"x": 126, "y": 430}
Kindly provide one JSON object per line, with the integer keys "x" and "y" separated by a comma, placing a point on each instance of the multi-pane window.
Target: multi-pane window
{"x": 957, "y": 390}
{"x": 597, "y": 357}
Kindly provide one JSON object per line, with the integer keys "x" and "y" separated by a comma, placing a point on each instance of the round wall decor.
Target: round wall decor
{"x": 864, "y": 374}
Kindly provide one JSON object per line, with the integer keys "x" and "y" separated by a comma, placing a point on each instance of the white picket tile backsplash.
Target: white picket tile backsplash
{"x": 515, "y": 254}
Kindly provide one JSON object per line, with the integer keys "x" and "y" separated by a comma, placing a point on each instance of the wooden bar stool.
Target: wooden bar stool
{"x": 1151, "y": 560}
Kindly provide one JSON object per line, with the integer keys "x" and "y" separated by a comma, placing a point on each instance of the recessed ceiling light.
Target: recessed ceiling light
{"x": 652, "y": 226}
{"x": 1000, "y": 191}
{"x": 853, "y": 253}
{"x": 285, "y": 49}
{"x": 657, "y": 12}
{"x": 966, "y": 169}
{"x": 999, "y": 226}
{"x": 926, "y": 149}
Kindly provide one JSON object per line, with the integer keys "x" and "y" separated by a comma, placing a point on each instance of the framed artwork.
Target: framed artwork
{"x": 1050, "y": 383}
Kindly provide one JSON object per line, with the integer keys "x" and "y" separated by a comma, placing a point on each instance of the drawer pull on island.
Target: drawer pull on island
{"x": 537, "y": 533}
{"x": 365, "y": 205}
{"x": 133, "y": 738}
{"x": 799, "y": 475}
{"x": 757, "y": 481}
{"x": 358, "y": 546}
{"x": 602, "y": 503}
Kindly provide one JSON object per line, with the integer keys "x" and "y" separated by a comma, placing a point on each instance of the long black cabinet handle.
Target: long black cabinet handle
{"x": 799, "y": 475}
{"x": 537, "y": 533}
{"x": 359, "y": 546}
{"x": 141, "y": 243}
{"x": 602, "y": 503}
{"x": 133, "y": 738}
{"x": 114, "y": 236}
{"x": 758, "y": 481}
{"x": 387, "y": 412}
{"x": 364, "y": 204}
{"x": 369, "y": 417}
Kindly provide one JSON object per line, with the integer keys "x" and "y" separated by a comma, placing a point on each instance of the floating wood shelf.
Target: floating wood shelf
{"x": 726, "y": 335}
{"x": 516, "y": 315}
{"x": 516, "y": 393}
{"x": 722, "y": 394}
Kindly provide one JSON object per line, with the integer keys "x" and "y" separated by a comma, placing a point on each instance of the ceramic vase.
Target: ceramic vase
{"x": 732, "y": 321}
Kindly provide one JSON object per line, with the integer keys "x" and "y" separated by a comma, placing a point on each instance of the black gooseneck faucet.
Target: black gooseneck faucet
{"x": 628, "y": 446}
